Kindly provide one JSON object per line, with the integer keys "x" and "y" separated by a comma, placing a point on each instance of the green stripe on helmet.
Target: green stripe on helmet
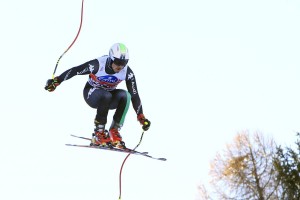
{"x": 123, "y": 48}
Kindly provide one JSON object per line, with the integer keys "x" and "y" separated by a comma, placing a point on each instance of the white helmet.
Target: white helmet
{"x": 119, "y": 54}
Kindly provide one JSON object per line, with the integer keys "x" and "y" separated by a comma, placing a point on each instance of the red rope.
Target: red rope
{"x": 81, "y": 19}
{"x": 120, "y": 175}
{"x": 78, "y": 29}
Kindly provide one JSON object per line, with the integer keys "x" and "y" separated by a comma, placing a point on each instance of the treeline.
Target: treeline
{"x": 253, "y": 167}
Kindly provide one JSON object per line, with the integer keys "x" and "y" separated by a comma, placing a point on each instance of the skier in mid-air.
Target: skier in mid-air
{"x": 101, "y": 93}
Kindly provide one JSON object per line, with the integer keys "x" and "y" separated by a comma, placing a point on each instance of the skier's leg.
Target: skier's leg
{"x": 120, "y": 102}
{"x": 99, "y": 99}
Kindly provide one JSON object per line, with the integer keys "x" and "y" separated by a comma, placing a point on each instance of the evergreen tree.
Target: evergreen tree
{"x": 287, "y": 165}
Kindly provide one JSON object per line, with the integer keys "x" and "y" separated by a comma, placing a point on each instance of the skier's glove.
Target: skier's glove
{"x": 145, "y": 122}
{"x": 52, "y": 84}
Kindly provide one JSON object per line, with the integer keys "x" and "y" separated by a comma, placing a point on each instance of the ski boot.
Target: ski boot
{"x": 100, "y": 137}
{"x": 116, "y": 139}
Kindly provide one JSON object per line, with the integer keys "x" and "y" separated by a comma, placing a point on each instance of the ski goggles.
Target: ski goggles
{"x": 120, "y": 62}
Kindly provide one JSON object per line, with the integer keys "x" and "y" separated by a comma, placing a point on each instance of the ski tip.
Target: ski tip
{"x": 162, "y": 159}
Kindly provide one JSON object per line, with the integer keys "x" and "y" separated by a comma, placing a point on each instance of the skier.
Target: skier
{"x": 101, "y": 93}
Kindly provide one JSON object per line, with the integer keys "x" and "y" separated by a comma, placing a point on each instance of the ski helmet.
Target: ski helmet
{"x": 118, "y": 53}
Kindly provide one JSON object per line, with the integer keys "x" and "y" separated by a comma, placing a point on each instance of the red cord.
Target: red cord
{"x": 78, "y": 29}
{"x": 72, "y": 42}
{"x": 120, "y": 174}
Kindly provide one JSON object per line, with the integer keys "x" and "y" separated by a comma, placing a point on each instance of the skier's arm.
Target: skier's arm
{"x": 132, "y": 89}
{"x": 135, "y": 99}
{"x": 83, "y": 69}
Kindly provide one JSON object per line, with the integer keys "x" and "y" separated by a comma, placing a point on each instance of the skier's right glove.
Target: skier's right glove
{"x": 145, "y": 122}
{"x": 52, "y": 84}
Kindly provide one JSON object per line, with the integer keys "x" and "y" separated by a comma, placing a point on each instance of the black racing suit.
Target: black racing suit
{"x": 103, "y": 100}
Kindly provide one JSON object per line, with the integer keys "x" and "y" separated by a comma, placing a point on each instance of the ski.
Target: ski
{"x": 107, "y": 148}
{"x": 127, "y": 150}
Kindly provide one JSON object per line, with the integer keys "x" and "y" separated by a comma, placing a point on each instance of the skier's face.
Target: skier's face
{"x": 117, "y": 68}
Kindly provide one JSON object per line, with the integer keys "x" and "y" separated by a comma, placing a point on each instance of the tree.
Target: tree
{"x": 245, "y": 169}
{"x": 287, "y": 165}
{"x": 203, "y": 193}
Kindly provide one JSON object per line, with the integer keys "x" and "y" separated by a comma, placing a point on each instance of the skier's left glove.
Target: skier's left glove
{"x": 145, "y": 122}
{"x": 52, "y": 84}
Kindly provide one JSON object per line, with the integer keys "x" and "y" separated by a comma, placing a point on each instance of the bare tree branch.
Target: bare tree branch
{"x": 244, "y": 169}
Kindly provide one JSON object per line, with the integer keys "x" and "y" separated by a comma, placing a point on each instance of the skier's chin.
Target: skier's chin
{"x": 116, "y": 70}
